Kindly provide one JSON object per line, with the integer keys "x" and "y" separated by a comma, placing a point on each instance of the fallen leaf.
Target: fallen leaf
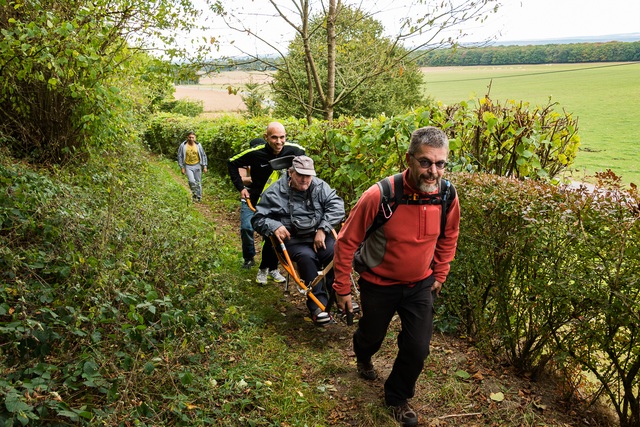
{"x": 463, "y": 374}
{"x": 478, "y": 376}
{"x": 540, "y": 406}
{"x": 497, "y": 397}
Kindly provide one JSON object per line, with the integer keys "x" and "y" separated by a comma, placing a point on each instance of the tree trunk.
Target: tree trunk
{"x": 331, "y": 59}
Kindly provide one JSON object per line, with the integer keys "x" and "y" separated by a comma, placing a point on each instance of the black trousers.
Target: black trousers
{"x": 309, "y": 263}
{"x": 414, "y": 305}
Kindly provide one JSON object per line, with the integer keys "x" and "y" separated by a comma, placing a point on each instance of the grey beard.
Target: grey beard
{"x": 428, "y": 188}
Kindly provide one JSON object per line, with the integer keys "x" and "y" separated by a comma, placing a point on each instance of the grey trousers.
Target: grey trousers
{"x": 194, "y": 175}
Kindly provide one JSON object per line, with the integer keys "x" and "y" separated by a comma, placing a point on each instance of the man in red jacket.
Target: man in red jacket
{"x": 402, "y": 265}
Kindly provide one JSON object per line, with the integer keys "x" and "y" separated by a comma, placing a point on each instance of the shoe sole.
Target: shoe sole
{"x": 264, "y": 283}
{"x": 322, "y": 322}
{"x": 322, "y": 325}
{"x": 411, "y": 422}
{"x": 368, "y": 377}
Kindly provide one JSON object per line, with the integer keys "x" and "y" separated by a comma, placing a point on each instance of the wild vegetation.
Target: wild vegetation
{"x": 121, "y": 303}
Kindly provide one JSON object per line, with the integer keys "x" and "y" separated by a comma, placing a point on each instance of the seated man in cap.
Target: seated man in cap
{"x": 302, "y": 210}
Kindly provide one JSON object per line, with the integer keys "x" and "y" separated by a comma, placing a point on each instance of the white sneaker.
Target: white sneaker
{"x": 262, "y": 276}
{"x": 320, "y": 317}
{"x": 276, "y": 276}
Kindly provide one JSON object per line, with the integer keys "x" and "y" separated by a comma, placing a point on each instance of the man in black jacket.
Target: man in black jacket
{"x": 257, "y": 159}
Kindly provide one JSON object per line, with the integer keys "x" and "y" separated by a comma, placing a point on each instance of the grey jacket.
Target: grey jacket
{"x": 318, "y": 207}
{"x": 182, "y": 152}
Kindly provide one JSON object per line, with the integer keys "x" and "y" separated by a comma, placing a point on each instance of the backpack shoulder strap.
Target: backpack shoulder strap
{"x": 447, "y": 195}
{"x": 389, "y": 200}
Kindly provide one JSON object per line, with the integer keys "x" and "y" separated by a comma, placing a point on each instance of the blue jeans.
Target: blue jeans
{"x": 414, "y": 305}
{"x": 194, "y": 175}
{"x": 246, "y": 231}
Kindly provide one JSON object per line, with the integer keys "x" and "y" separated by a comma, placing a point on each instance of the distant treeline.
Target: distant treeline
{"x": 494, "y": 55}
{"x": 533, "y": 54}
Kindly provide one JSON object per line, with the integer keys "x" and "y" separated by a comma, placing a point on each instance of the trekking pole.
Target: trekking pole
{"x": 332, "y": 296}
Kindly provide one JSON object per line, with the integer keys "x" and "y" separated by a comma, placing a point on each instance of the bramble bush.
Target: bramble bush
{"x": 516, "y": 140}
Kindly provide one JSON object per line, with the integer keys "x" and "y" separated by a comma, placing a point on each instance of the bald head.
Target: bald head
{"x": 275, "y": 136}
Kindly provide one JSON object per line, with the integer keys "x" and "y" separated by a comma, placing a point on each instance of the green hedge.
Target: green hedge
{"x": 549, "y": 277}
{"x": 351, "y": 154}
{"x": 221, "y": 137}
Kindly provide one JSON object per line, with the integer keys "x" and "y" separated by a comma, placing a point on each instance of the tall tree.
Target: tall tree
{"x": 429, "y": 25}
{"x": 359, "y": 48}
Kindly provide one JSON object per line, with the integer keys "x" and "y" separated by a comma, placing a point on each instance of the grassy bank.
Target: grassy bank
{"x": 603, "y": 97}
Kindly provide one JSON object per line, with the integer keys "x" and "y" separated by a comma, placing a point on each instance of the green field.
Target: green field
{"x": 605, "y": 97}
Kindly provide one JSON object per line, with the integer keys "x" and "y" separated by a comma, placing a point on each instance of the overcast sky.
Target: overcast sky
{"x": 552, "y": 19}
{"x": 516, "y": 20}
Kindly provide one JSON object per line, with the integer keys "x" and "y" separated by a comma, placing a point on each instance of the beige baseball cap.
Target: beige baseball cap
{"x": 304, "y": 165}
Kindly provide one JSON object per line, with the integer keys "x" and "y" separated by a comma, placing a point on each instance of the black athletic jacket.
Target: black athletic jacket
{"x": 257, "y": 159}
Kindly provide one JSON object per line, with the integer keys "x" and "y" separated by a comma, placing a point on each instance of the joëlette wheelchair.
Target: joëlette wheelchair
{"x": 281, "y": 164}
{"x": 306, "y": 289}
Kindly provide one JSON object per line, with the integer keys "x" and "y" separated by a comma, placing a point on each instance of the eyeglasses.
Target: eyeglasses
{"x": 426, "y": 163}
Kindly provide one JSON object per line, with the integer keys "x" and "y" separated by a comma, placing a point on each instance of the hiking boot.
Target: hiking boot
{"x": 405, "y": 415}
{"x": 276, "y": 276}
{"x": 261, "y": 278}
{"x": 248, "y": 263}
{"x": 366, "y": 371}
{"x": 320, "y": 318}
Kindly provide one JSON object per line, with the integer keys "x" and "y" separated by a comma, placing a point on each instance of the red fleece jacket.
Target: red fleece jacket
{"x": 405, "y": 250}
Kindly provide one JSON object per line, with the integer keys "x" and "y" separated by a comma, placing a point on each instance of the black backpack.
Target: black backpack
{"x": 389, "y": 203}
